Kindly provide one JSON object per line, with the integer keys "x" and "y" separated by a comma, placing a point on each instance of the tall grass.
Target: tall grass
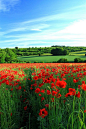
{"x": 21, "y": 101}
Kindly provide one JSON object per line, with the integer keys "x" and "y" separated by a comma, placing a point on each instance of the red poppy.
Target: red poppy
{"x": 43, "y": 113}
{"x": 71, "y": 90}
{"x": 54, "y": 93}
{"x": 25, "y": 108}
{"x": 84, "y": 111}
{"x": 40, "y": 95}
{"x": 42, "y": 98}
{"x": 64, "y": 101}
{"x": 58, "y": 95}
{"x": 35, "y": 78}
{"x": 46, "y": 105}
{"x": 61, "y": 84}
{"x": 83, "y": 82}
{"x": 43, "y": 91}
{"x": 11, "y": 89}
{"x": 11, "y": 114}
{"x": 37, "y": 90}
{"x": 68, "y": 94}
{"x": 19, "y": 87}
{"x": 84, "y": 87}
{"x": 74, "y": 80}
{"x": 48, "y": 92}
{"x": 78, "y": 95}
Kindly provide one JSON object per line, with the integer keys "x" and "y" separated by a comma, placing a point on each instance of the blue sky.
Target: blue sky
{"x": 40, "y": 23}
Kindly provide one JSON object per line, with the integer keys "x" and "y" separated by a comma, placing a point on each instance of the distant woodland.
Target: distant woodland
{"x": 9, "y": 55}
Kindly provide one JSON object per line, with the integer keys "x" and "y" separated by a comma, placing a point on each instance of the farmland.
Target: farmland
{"x": 47, "y": 95}
{"x": 56, "y": 54}
{"x": 47, "y": 57}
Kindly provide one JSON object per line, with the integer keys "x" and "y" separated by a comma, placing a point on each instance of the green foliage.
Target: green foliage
{"x": 77, "y": 60}
{"x": 19, "y": 53}
{"x": 54, "y": 62}
{"x": 62, "y": 60}
{"x": 65, "y": 52}
{"x": 7, "y": 55}
{"x": 41, "y": 61}
{"x": 10, "y": 55}
{"x": 16, "y": 47}
{"x": 35, "y": 61}
{"x": 2, "y": 57}
{"x": 59, "y": 51}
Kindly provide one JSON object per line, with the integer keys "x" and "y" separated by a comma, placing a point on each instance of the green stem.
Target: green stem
{"x": 73, "y": 110}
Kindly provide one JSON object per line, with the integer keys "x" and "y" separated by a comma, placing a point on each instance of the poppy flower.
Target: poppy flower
{"x": 43, "y": 113}
{"x": 25, "y": 108}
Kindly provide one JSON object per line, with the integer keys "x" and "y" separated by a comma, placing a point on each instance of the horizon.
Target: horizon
{"x": 36, "y": 23}
{"x": 41, "y": 47}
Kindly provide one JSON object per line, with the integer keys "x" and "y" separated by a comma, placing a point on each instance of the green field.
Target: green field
{"x": 79, "y": 53}
{"x": 49, "y": 58}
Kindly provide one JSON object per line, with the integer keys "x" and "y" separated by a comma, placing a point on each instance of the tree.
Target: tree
{"x": 59, "y": 51}
{"x": 10, "y": 55}
{"x": 2, "y": 57}
{"x": 78, "y": 60}
{"x": 16, "y": 47}
{"x": 62, "y": 60}
{"x": 65, "y": 52}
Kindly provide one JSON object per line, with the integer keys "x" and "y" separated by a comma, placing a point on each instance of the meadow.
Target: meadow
{"x": 47, "y": 57}
{"x": 43, "y": 96}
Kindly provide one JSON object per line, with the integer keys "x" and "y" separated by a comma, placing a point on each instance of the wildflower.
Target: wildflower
{"x": 61, "y": 84}
{"x": 11, "y": 114}
{"x": 43, "y": 113}
{"x": 35, "y": 78}
{"x": 19, "y": 87}
{"x": 72, "y": 91}
{"x": 42, "y": 98}
{"x": 25, "y": 108}
{"x": 40, "y": 95}
{"x": 43, "y": 91}
{"x": 68, "y": 94}
{"x": 58, "y": 95}
{"x": 74, "y": 80}
{"x": 64, "y": 101}
{"x": 78, "y": 95}
{"x": 54, "y": 93}
{"x": 84, "y": 111}
{"x": 46, "y": 105}
{"x": 48, "y": 92}
{"x": 37, "y": 90}
{"x": 11, "y": 89}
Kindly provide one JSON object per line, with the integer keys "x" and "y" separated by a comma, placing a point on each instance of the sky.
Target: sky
{"x": 42, "y": 23}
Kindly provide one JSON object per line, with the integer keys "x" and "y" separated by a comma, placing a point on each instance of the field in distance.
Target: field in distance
{"x": 48, "y": 57}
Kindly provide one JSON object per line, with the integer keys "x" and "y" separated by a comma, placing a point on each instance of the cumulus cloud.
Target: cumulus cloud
{"x": 5, "y": 5}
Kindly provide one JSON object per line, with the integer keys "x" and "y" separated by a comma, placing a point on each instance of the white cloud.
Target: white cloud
{"x": 77, "y": 27}
{"x": 5, "y": 5}
{"x": 77, "y": 7}
{"x": 76, "y": 31}
{"x": 36, "y": 29}
{"x": 23, "y": 28}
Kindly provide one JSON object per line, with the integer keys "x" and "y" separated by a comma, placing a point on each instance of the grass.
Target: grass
{"x": 49, "y": 58}
{"x": 79, "y": 53}
{"x": 25, "y": 109}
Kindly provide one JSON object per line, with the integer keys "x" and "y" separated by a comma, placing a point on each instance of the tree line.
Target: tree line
{"x": 9, "y": 55}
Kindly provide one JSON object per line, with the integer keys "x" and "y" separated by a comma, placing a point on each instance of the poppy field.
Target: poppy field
{"x": 43, "y": 96}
